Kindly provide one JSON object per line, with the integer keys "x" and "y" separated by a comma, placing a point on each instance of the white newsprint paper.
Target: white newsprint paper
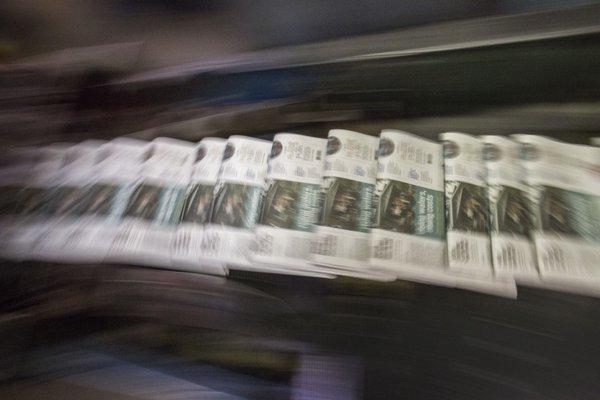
{"x": 290, "y": 208}
{"x": 64, "y": 203}
{"x": 342, "y": 234}
{"x": 30, "y": 227}
{"x": 466, "y": 204}
{"x": 513, "y": 253}
{"x": 154, "y": 207}
{"x": 467, "y": 216}
{"x": 17, "y": 172}
{"x": 116, "y": 171}
{"x": 564, "y": 184}
{"x": 408, "y": 235}
{"x": 236, "y": 204}
{"x": 185, "y": 250}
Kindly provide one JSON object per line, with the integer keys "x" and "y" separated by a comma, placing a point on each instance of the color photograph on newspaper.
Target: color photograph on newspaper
{"x": 346, "y": 204}
{"x": 99, "y": 199}
{"x": 198, "y": 202}
{"x": 569, "y": 213}
{"x": 290, "y": 205}
{"x": 510, "y": 211}
{"x": 466, "y": 207}
{"x": 395, "y": 207}
{"x": 31, "y": 200}
{"x": 143, "y": 203}
{"x": 161, "y": 205}
{"x": 406, "y": 208}
{"x": 66, "y": 201}
{"x": 236, "y": 205}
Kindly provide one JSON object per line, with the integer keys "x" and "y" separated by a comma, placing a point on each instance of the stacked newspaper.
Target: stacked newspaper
{"x": 408, "y": 232}
{"x": 342, "y": 235}
{"x": 510, "y": 210}
{"x": 290, "y": 208}
{"x": 29, "y": 226}
{"x": 64, "y": 203}
{"x": 467, "y": 219}
{"x": 116, "y": 170}
{"x": 564, "y": 184}
{"x": 185, "y": 251}
{"x": 309, "y": 206}
{"x": 154, "y": 207}
{"x": 236, "y": 204}
{"x": 15, "y": 173}
{"x": 466, "y": 204}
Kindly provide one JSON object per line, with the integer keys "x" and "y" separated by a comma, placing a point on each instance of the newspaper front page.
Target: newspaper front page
{"x": 185, "y": 251}
{"x": 236, "y": 204}
{"x": 31, "y": 225}
{"x": 342, "y": 234}
{"x": 64, "y": 203}
{"x": 510, "y": 210}
{"x": 290, "y": 208}
{"x": 117, "y": 169}
{"x": 15, "y": 173}
{"x": 154, "y": 207}
{"x": 564, "y": 185}
{"x": 15, "y": 168}
{"x": 466, "y": 204}
{"x": 408, "y": 235}
{"x": 467, "y": 217}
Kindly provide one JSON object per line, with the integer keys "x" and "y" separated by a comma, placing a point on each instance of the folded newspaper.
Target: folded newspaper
{"x": 15, "y": 172}
{"x": 116, "y": 170}
{"x": 154, "y": 207}
{"x": 513, "y": 253}
{"x": 185, "y": 250}
{"x": 467, "y": 216}
{"x": 236, "y": 205}
{"x": 31, "y": 227}
{"x": 64, "y": 202}
{"x": 408, "y": 235}
{"x": 342, "y": 235}
{"x": 290, "y": 208}
{"x": 564, "y": 184}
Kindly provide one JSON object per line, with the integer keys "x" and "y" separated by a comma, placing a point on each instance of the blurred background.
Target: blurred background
{"x": 75, "y": 70}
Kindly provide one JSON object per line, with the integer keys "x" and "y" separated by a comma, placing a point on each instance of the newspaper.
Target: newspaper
{"x": 595, "y": 141}
{"x": 510, "y": 210}
{"x": 342, "y": 234}
{"x": 466, "y": 204}
{"x": 290, "y": 208}
{"x": 408, "y": 235}
{"x": 185, "y": 251}
{"x": 29, "y": 221}
{"x": 564, "y": 185}
{"x": 116, "y": 171}
{"x": 236, "y": 204}
{"x": 467, "y": 217}
{"x": 154, "y": 207}
{"x": 15, "y": 173}
{"x": 64, "y": 202}
{"x": 15, "y": 167}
